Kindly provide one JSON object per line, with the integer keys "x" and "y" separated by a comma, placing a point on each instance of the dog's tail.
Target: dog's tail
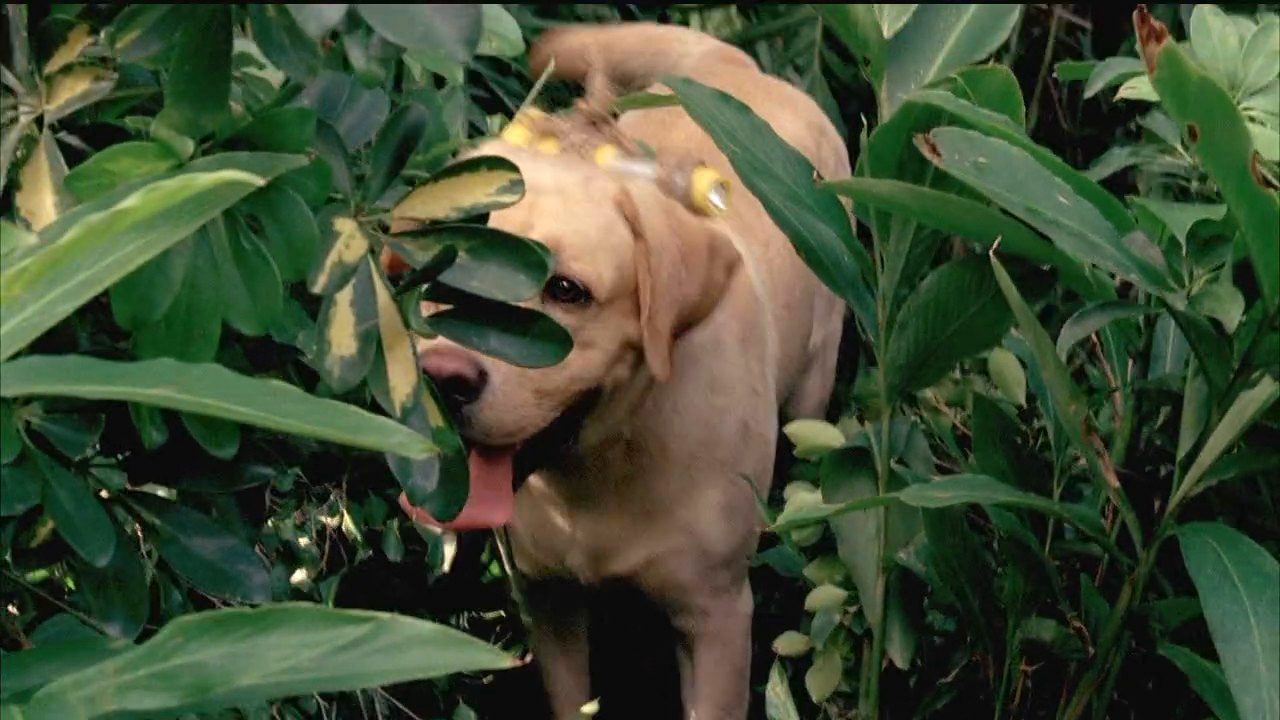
{"x": 630, "y": 56}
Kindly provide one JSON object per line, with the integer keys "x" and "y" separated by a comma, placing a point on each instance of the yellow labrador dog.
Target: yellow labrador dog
{"x": 690, "y": 335}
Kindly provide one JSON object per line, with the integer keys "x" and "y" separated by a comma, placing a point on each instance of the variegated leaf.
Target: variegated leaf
{"x": 71, "y": 90}
{"x": 40, "y": 198}
{"x": 471, "y": 187}
{"x": 347, "y": 246}
{"x": 348, "y": 326}
{"x": 397, "y": 347}
{"x": 80, "y": 37}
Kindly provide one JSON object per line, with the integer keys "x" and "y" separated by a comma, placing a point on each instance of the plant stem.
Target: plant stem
{"x": 1044, "y": 69}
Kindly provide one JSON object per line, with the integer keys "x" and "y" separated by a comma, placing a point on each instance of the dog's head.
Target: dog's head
{"x": 633, "y": 269}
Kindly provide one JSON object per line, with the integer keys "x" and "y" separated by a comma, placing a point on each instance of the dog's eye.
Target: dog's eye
{"x": 566, "y": 291}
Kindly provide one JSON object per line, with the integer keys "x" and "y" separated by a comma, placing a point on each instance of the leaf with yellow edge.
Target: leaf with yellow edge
{"x": 347, "y": 246}
{"x": 474, "y": 186}
{"x": 397, "y": 347}
{"x": 71, "y": 90}
{"x": 40, "y": 197}
{"x": 348, "y": 325}
{"x": 76, "y": 41}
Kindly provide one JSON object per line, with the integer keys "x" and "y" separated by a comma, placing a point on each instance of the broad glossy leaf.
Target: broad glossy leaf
{"x": 1239, "y": 586}
{"x": 937, "y": 40}
{"x": 1196, "y": 406}
{"x": 1216, "y": 44}
{"x": 197, "y": 88}
{"x": 470, "y": 187}
{"x": 1180, "y": 217}
{"x": 397, "y": 140}
{"x": 250, "y": 282}
{"x": 219, "y": 438}
{"x": 150, "y": 423}
{"x": 107, "y": 169}
{"x": 451, "y": 30}
{"x": 814, "y": 220}
{"x": 141, "y": 32}
{"x": 490, "y": 263}
{"x": 824, "y": 674}
{"x": 778, "y": 703}
{"x": 1092, "y": 318}
{"x": 1110, "y": 72}
{"x": 283, "y": 42}
{"x": 1024, "y": 187}
{"x": 347, "y": 331}
{"x": 859, "y": 29}
{"x": 118, "y": 595}
{"x": 74, "y": 435}
{"x": 289, "y": 129}
{"x": 213, "y": 390}
{"x": 993, "y": 87}
{"x": 1244, "y": 410}
{"x": 232, "y": 657}
{"x": 348, "y": 245}
{"x": 518, "y": 335}
{"x": 355, "y": 111}
{"x": 77, "y": 39}
{"x": 1206, "y": 679}
{"x": 117, "y": 233}
{"x": 1221, "y": 142}
{"x": 893, "y": 17}
{"x": 23, "y": 673}
{"x": 203, "y": 552}
{"x": 398, "y": 354}
{"x": 1211, "y": 348}
{"x": 956, "y": 312}
{"x": 144, "y": 296}
{"x": 289, "y": 230}
{"x": 959, "y": 565}
{"x": 191, "y": 326}
{"x": 438, "y": 483}
{"x": 813, "y": 438}
{"x": 40, "y": 197}
{"x": 1169, "y": 349}
{"x": 1260, "y": 59}
{"x": 977, "y": 222}
{"x": 1074, "y": 70}
{"x": 23, "y": 486}
{"x": 995, "y": 436}
{"x": 77, "y": 514}
{"x": 1006, "y": 372}
{"x": 501, "y": 34}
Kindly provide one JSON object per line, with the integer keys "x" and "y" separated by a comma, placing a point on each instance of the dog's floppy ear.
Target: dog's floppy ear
{"x": 683, "y": 267}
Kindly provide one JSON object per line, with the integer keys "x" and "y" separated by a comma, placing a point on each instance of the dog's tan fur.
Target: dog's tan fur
{"x": 700, "y": 331}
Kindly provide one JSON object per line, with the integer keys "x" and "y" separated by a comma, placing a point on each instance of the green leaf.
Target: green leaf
{"x": 956, "y": 312}
{"x": 778, "y": 703}
{"x": 23, "y": 673}
{"x": 1223, "y": 147}
{"x": 1092, "y": 318}
{"x": 1007, "y": 374}
{"x": 213, "y": 390}
{"x": 1239, "y": 587}
{"x": 203, "y": 552}
{"x": 1260, "y": 59}
{"x": 142, "y": 31}
{"x": 234, "y": 657}
{"x": 490, "y": 263}
{"x": 118, "y": 595}
{"x": 1169, "y": 349}
{"x": 859, "y": 29}
{"x": 953, "y": 214}
{"x": 824, "y": 674}
{"x": 399, "y": 358}
{"x": 354, "y": 111}
{"x": 1052, "y": 636}
{"x": 1074, "y": 70}
{"x": 23, "y": 485}
{"x": 219, "y": 438}
{"x": 938, "y": 40}
{"x": 1195, "y": 411}
{"x": 289, "y": 230}
{"x": 1222, "y": 302}
{"x": 995, "y": 437}
{"x": 251, "y": 289}
{"x": 813, "y": 438}
{"x": 824, "y": 597}
{"x": 813, "y": 220}
{"x": 1180, "y": 217}
{"x": 1216, "y": 44}
{"x": 144, "y": 296}
{"x": 501, "y": 33}
{"x": 73, "y": 435}
{"x": 961, "y": 570}
{"x": 317, "y": 20}
{"x": 192, "y": 325}
{"x": 283, "y": 42}
{"x": 76, "y": 512}
{"x": 1111, "y": 72}
{"x": 1019, "y": 183}
{"x": 197, "y": 88}
{"x": 347, "y": 331}
{"x": 470, "y": 187}
{"x": 114, "y": 235}
{"x": 288, "y": 129}
{"x": 515, "y": 334}
{"x": 120, "y": 163}
{"x": 1244, "y": 410}
{"x": 10, "y": 439}
{"x": 893, "y": 17}
{"x": 1211, "y": 348}
{"x": 451, "y": 30}
{"x": 397, "y": 140}
{"x": 1206, "y": 679}
{"x": 992, "y": 87}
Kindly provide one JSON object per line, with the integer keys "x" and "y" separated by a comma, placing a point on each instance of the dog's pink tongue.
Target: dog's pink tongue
{"x": 491, "y": 500}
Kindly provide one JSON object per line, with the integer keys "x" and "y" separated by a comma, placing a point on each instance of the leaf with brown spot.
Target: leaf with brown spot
{"x": 1152, "y": 36}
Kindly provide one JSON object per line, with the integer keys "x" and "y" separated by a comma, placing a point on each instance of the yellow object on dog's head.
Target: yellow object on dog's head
{"x": 708, "y": 191}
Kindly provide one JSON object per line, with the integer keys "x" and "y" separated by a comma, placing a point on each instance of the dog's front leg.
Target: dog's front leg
{"x": 558, "y": 612}
{"x": 715, "y": 654}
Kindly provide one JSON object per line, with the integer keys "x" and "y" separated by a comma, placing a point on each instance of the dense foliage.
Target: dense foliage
{"x": 1047, "y": 487}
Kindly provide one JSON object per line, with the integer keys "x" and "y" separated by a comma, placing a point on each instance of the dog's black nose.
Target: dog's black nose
{"x": 459, "y": 377}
